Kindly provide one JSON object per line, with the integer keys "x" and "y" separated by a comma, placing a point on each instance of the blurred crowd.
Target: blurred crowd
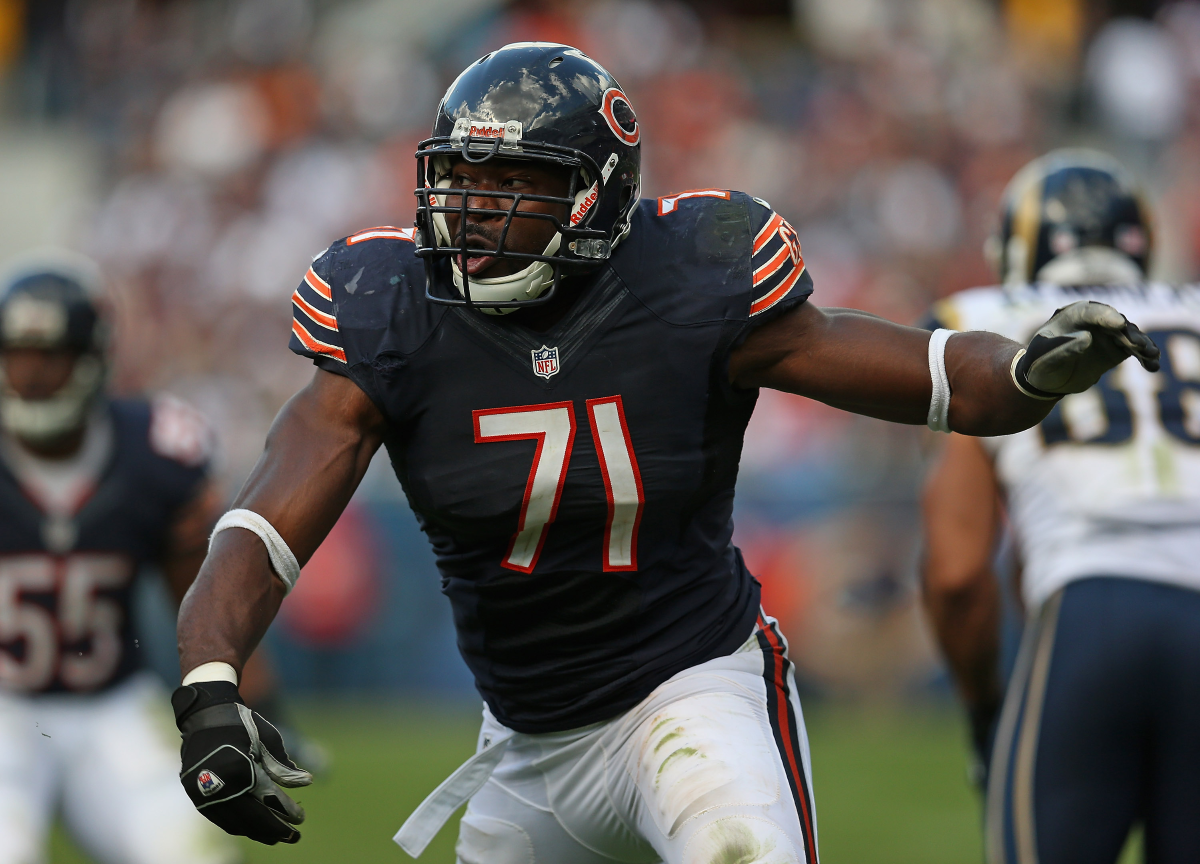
{"x": 232, "y": 140}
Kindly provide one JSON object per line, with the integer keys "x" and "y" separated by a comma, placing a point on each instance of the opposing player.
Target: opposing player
{"x": 91, "y": 489}
{"x": 1098, "y": 729}
{"x": 562, "y": 375}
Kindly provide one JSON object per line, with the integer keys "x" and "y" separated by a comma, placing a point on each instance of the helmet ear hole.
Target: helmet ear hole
{"x": 626, "y": 195}
{"x": 555, "y": 62}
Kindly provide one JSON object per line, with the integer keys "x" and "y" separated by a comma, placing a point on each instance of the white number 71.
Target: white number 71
{"x": 552, "y": 425}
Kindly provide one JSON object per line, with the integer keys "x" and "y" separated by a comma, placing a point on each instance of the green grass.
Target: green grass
{"x": 891, "y": 786}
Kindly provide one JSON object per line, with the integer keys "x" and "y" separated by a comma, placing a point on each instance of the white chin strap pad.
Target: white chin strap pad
{"x": 283, "y": 562}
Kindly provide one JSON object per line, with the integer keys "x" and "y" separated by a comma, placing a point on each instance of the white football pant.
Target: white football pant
{"x": 109, "y": 764}
{"x": 713, "y": 766}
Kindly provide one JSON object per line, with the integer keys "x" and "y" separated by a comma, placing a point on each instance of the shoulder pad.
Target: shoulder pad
{"x": 179, "y": 432}
{"x": 363, "y": 295}
{"x": 709, "y": 255}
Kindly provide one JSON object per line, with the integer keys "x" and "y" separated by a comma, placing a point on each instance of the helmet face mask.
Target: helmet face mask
{"x": 553, "y": 107}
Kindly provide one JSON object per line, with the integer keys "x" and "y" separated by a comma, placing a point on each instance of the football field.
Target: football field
{"x": 891, "y": 785}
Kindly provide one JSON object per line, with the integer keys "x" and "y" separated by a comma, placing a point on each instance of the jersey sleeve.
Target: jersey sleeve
{"x": 182, "y": 445}
{"x": 314, "y": 320}
{"x": 779, "y": 279}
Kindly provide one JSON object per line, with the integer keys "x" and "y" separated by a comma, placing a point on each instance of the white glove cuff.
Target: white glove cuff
{"x": 939, "y": 400}
{"x": 214, "y": 671}
{"x": 283, "y": 562}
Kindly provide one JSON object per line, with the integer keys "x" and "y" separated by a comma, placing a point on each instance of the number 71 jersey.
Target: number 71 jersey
{"x": 576, "y": 484}
{"x": 1109, "y": 482}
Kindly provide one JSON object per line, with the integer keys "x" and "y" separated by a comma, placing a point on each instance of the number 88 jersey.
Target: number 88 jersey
{"x": 1109, "y": 482}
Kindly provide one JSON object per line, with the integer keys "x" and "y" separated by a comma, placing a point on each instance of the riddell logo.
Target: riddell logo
{"x": 486, "y": 130}
{"x": 585, "y": 205}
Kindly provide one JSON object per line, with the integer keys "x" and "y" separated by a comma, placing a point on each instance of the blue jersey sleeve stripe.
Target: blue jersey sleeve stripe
{"x": 313, "y": 314}
{"x": 766, "y": 301}
{"x": 318, "y": 284}
{"x": 763, "y": 237}
{"x": 314, "y": 346}
{"x": 773, "y": 265}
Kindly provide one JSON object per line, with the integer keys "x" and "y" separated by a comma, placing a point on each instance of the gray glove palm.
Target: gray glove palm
{"x": 1071, "y": 351}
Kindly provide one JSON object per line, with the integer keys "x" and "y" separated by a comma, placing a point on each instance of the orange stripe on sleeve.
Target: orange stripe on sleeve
{"x": 316, "y": 345}
{"x": 763, "y": 237}
{"x": 772, "y": 266}
{"x": 318, "y": 317}
{"x": 762, "y": 304}
{"x": 318, "y": 284}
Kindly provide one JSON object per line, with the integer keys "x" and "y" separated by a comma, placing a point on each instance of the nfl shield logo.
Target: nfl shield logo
{"x": 208, "y": 782}
{"x": 545, "y": 361}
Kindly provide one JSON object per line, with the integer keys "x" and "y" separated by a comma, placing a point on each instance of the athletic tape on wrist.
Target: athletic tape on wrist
{"x": 939, "y": 400}
{"x": 283, "y": 562}
{"x": 213, "y": 671}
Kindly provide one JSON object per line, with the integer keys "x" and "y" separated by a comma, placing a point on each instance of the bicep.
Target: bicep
{"x": 316, "y": 453}
{"x": 960, "y": 506}
{"x": 842, "y": 357}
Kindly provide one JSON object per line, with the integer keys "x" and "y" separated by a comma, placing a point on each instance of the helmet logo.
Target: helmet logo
{"x": 580, "y": 210}
{"x": 612, "y": 98}
{"x": 31, "y": 320}
{"x": 465, "y": 128}
{"x": 1131, "y": 240}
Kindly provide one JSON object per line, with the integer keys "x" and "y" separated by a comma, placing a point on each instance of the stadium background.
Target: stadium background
{"x": 204, "y": 150}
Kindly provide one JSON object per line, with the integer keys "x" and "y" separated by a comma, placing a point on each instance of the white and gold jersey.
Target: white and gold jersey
{"x": 1109, "y": 482}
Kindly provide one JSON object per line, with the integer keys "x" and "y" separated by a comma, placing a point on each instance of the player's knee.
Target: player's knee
{"x": 484, "y": 840}
{"x": 741, "y": 840}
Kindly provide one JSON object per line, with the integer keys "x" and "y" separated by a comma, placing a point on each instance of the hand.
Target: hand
{"x": 1079, "y": 343}
{"x": 234, "y": 762}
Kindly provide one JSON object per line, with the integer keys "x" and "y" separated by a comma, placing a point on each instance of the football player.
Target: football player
{"x": 1098, "y": 727}
{"x": 562, "y": 374}
{"x": 91, "y": 490}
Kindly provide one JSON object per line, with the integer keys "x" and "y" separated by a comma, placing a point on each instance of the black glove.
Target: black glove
{"x": 234, "y": 763}
{"x": 1079, "y": 343}
{"x": 984, "y": 720}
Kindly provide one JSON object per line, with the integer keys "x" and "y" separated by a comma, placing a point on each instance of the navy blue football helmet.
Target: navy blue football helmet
{"x": 49, "y": 301}
{"x": 543, "y": 103}
{"x": 1073, "y": 216}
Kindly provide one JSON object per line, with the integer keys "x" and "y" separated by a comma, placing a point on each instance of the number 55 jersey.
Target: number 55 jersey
{"x": 1109, "y": 482}
{"x": 576, "y": 484}
{"x": 74, "y": 533}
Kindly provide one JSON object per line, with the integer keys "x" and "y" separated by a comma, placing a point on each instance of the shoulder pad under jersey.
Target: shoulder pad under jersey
{"x": 362, "y": 296}
{"x": 711, "y": 255}
{"x": 166, "y": 443}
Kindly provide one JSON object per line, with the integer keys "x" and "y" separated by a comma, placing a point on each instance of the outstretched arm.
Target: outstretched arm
{"x": 317, "y": 452}
{"x": 861, "y": 363}
{"x": 235, "y": 766}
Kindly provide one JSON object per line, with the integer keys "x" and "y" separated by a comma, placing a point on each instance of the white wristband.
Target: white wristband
{"x": 939, "y": 400}
{"x": 214, "y": 671}
{"x": 283, "y": 562}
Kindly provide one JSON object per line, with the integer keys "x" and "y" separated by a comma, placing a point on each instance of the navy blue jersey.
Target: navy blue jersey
{"x": 65, "y": 622}
{"x": 576, "y": 484}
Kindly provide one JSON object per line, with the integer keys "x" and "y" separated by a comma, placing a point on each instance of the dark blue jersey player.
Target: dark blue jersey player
{"x": 92, "y": 489}
{"x": 562, "y": 375}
